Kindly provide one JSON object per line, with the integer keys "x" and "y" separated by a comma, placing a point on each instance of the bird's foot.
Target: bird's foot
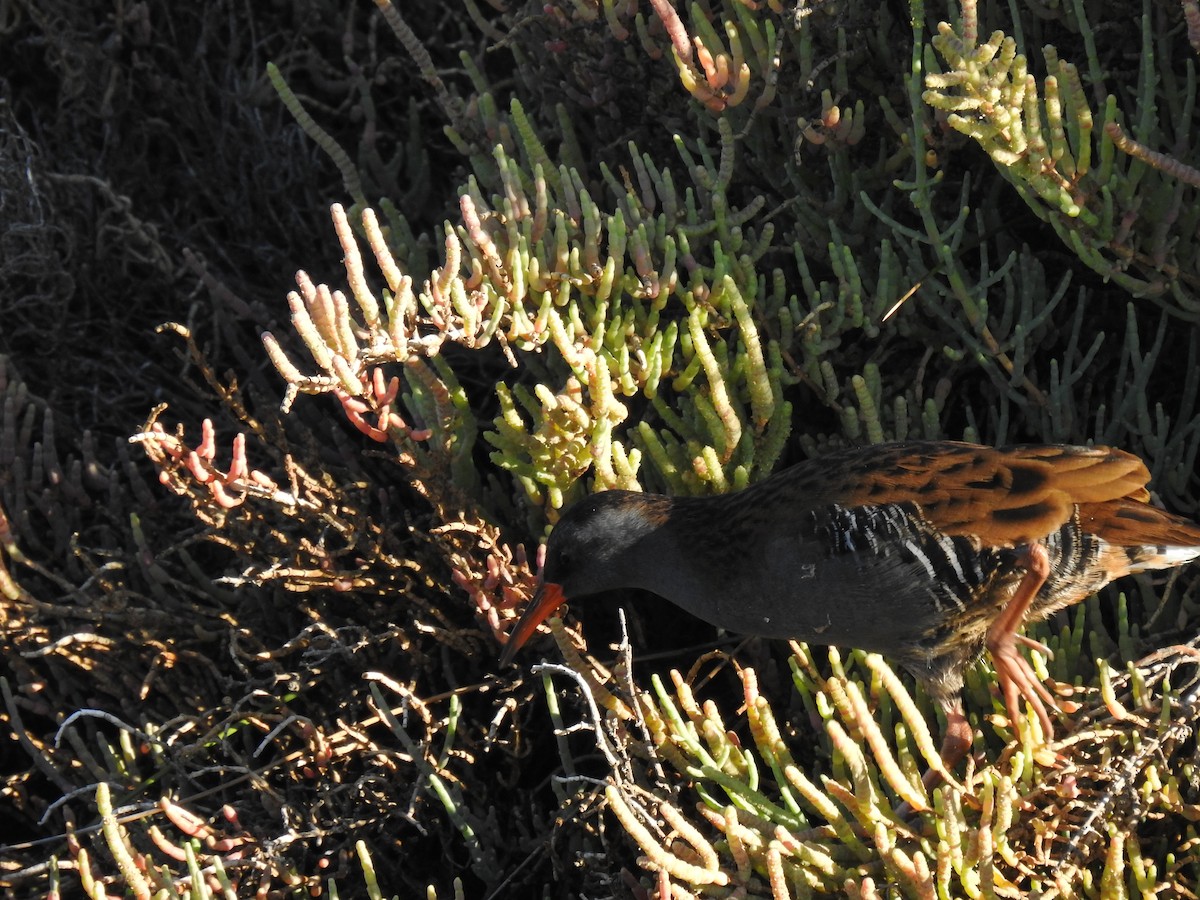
{"x": 1017, "y": 678}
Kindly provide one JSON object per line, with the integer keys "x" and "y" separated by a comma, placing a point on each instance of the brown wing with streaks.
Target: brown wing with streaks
{"x": 1004, "y": 496}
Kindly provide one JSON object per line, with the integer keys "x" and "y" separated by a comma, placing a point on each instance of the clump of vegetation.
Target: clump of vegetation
{"x": 590, "y": 245}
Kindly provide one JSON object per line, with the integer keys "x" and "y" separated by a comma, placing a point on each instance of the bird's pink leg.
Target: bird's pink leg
{"x": 1016, "y": 676}
{"x": 957, "y": 739}
{"x": 955, "y": 743}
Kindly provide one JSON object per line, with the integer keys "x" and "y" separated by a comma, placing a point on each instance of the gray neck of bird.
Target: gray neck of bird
{"x": 688, "y": 563}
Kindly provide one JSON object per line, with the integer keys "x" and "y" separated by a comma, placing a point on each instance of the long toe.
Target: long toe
{"x": 1034, "y": 645}
{"x": 1017, "y": 679}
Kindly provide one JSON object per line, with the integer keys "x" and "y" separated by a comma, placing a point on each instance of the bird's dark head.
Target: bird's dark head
{"x": 593, "y": 548}
{"x": 590, "y": 549}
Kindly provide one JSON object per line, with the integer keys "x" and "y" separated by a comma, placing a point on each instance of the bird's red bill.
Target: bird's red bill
{"x": 546, "y": 600}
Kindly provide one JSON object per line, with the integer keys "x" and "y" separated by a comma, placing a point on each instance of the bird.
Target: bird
{"x": 928, "y": 552}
